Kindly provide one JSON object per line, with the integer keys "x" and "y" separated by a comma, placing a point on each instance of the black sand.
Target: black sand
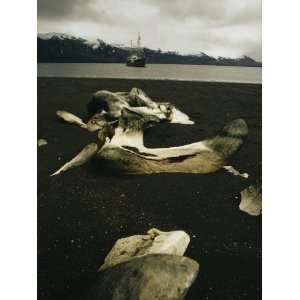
{"x": 84, "y": 211}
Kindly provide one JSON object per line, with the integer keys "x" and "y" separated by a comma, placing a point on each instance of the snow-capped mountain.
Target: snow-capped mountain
{"x": 96, "y": 43}
{"x": 54, "y": 35}
{"x": 64, "y": 48}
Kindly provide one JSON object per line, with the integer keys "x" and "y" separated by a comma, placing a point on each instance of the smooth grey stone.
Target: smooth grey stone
{"x": 155, "y": 276}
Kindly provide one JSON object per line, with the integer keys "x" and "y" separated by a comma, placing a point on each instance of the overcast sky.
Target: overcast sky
{"x": 228, "y": 28}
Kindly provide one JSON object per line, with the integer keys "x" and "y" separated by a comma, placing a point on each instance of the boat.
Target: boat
{"x": 136, "y": 57}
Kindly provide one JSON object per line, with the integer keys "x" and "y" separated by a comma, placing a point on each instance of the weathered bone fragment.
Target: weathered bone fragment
{"x": 106, "y": 101}
{"x": 70, "y": 118}
{"x": 138, "y": 98}
{"x": 112, "y": 103}
{"x": 154, "y": 242}
{"x": 42, "y": 142}
{"x": 81, "y": 158}
{"x": 97, "y": 122}
{"x": 251, "y": 200}
{"x": 235, "y": 172}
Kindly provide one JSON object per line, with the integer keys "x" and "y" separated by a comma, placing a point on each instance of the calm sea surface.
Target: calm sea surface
{"x": 152, "y": 71}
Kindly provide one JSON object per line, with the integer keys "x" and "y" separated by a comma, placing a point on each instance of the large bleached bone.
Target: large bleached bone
{"x": 122, "y": 118}
{"x": 113, "y": 104}
{"x": 154, "y": 242}
{"x": 70, "y": 118}
{"x": 81, "y": 158}
{"x": 127, "y": 153}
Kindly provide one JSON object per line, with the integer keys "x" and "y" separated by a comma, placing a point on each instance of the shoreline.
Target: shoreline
{"x": 185, "y": 73}
{"x": 122, "y": 63}
{"x": 150, "y": 79}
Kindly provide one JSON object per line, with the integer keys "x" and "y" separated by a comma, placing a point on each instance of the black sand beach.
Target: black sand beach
{"x": 84, "y": 211}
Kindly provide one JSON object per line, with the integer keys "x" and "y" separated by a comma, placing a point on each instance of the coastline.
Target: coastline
{"x": 151, "y": 79}
{"x": 83, "y": 212}
{"x": 199, "y": 73}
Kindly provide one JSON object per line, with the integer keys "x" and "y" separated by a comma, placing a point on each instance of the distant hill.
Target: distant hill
{"x": 64, "y": 48}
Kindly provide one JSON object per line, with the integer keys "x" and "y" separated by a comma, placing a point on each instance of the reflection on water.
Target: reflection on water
{"x": 152, "y": 71}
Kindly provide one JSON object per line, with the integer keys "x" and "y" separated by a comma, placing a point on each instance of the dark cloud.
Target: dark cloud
{"x": 188, "y": 9}
{"x": 60, "y": 10}
{"x": 213, "y": 12}
{"x": 223, "y": 27}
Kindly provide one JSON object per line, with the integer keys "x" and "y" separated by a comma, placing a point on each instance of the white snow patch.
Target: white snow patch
{"x": 51, "y": 35}
{"x": 95, "y": 44}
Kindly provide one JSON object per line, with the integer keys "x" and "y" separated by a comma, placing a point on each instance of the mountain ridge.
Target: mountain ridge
{"x": 64, "y": 48}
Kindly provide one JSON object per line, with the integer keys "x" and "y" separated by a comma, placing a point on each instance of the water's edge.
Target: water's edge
{"x": 197, "y": 73}
{"x": 147, "y": 78}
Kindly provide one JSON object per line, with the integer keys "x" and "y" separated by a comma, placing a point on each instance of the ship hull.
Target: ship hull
{"x": 141, "y": 62}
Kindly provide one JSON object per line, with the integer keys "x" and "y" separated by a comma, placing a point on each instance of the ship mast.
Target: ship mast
{"x": 139, "y": 40}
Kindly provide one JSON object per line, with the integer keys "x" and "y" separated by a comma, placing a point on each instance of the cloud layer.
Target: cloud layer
{"x": 224, "y": 27}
